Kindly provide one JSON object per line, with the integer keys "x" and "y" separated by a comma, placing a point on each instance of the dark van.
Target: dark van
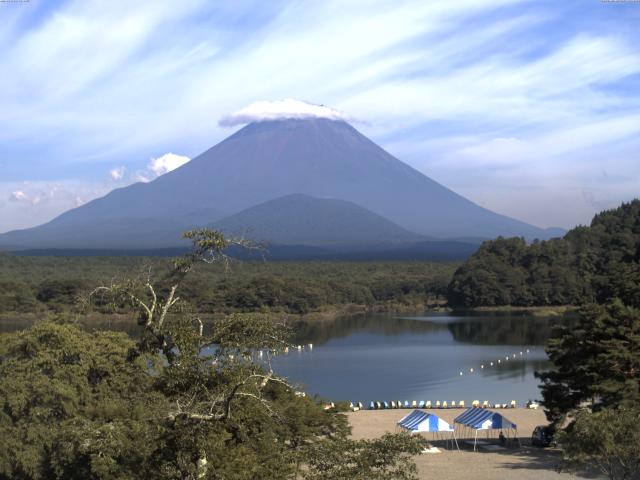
{"x": 542, "y": 436}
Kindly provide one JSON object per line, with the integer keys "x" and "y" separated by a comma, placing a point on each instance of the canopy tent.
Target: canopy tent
{"x": 478, "y": 419}
{"x": 418, "y": 421}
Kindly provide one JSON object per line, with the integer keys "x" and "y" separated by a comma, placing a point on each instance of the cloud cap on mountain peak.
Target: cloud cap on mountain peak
{"x": 265, "y": 110}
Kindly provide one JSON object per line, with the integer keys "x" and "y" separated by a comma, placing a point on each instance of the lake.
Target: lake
{"x": 390, "y": 357}
{"x": 399, "y": 357}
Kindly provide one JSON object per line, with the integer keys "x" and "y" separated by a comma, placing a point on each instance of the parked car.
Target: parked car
{"x": 542, "y": 436}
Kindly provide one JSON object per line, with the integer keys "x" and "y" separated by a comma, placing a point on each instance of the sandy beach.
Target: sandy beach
{"x": 524, "y": 462}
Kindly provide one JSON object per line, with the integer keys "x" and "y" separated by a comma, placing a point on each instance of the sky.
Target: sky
{"x": 529, "y": 108}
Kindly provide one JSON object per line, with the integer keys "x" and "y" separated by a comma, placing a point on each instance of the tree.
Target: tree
{"x": 73, "y": 402}
{"x": 608, "y": 439}
{"x": 596, "y": 263}
{"x": 596, "y": 362}
{"x": 226, "y": 407}
{"x": 383, "y": 458}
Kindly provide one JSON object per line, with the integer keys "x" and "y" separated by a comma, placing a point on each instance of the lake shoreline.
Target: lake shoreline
{"x": 328, "y": 314}
{"x": 325, "y": 314}
{"x": 542, "y": 311}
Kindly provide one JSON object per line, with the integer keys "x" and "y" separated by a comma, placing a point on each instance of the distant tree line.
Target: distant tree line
{"x": 589, "y": 264}
{"x": 32, "y": 284}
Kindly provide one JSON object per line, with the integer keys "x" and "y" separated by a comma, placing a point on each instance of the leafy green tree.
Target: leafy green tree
{"x": 608, "y": 440}
{"x": 596, "y": 263}
{"x": 17, "y": 297}
{"x": 596, "y": 362}
{"x": 73, "y": 402}
{"x": 383, "y": 458}
{"x": 60, "y": 293}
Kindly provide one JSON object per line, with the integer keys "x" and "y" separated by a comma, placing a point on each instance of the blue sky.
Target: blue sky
{"x": 529, "y": 108}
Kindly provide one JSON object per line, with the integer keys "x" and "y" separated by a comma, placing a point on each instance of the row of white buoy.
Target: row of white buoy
{"x": 298, "y": 348}
{"x": 499, "y": 361}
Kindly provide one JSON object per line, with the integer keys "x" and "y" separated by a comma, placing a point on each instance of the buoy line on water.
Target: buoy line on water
{"x": 495, "y": 363}
{"x": 383, "y": 405}
{"x": 288, "y": 349}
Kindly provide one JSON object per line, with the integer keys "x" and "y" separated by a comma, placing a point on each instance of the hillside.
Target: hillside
{"x": 304, "y": 220}
{"x": 594, "y": 263}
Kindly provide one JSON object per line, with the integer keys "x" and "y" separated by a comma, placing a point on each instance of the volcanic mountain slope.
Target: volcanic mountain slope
{"x": 74, "y": 230}
{"x": 263, "y": 161}
{"x": 299, "y": 219}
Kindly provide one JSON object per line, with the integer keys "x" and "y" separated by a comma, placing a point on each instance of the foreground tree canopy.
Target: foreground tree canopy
{"x": 176, "y": 404}
{"x": 593, "y": 391}
{"x": 596, "y": 362}
{"x": 589, "y": 264}
{"x": 608, "y": 440}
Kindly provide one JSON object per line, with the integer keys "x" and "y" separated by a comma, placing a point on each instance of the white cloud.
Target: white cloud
{"x": 142, "y": 177}
{"x": 19, "y": 196}
{"x": 278, "y": 110}
{"x": 34, "y": 203}
{"x": 166, "y": 163}
{"x": 117, "y": 173}
{"x": 159, "y": 166}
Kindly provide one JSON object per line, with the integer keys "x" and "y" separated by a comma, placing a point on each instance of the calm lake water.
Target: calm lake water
{"x": 390, "y": 357}
{"x": 387, "y": 357}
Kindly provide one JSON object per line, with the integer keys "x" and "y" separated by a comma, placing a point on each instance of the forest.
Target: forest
{"x": 54, "y": 284}
{"x": 593, "y": 263}
{"x": 78, "y": 405}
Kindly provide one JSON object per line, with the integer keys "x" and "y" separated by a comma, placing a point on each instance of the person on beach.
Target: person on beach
{"x": 502, "y": 439}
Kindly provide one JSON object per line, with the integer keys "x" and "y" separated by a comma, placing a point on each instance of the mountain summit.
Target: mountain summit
{"x": 263, "y": 161}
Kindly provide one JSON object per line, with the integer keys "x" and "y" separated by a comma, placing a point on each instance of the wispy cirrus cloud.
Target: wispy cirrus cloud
{"x": 483, "y": 96}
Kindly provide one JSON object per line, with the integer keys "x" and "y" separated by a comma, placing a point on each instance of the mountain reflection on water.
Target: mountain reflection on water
{"x": 482, "y": 329}
{"x": 384, "y": 357}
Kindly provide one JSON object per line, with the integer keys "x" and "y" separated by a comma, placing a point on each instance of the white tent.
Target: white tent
{"x": 476, "y": 419}
{"x": 419, "y": 421}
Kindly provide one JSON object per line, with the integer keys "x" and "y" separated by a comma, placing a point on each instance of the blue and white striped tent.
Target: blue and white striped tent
{"x": 481, "y": 419}
{"x": 418, "y": 421}
{"x": 476, "y": 419}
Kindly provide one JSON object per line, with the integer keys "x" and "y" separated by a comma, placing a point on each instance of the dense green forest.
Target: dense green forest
{"x": 41, "y": 284}
{"x": 594, "y": 263}
{"x": 100, "y": 405}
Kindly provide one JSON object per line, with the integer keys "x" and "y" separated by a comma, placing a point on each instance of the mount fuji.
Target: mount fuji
{"x": 292, "y": 181}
